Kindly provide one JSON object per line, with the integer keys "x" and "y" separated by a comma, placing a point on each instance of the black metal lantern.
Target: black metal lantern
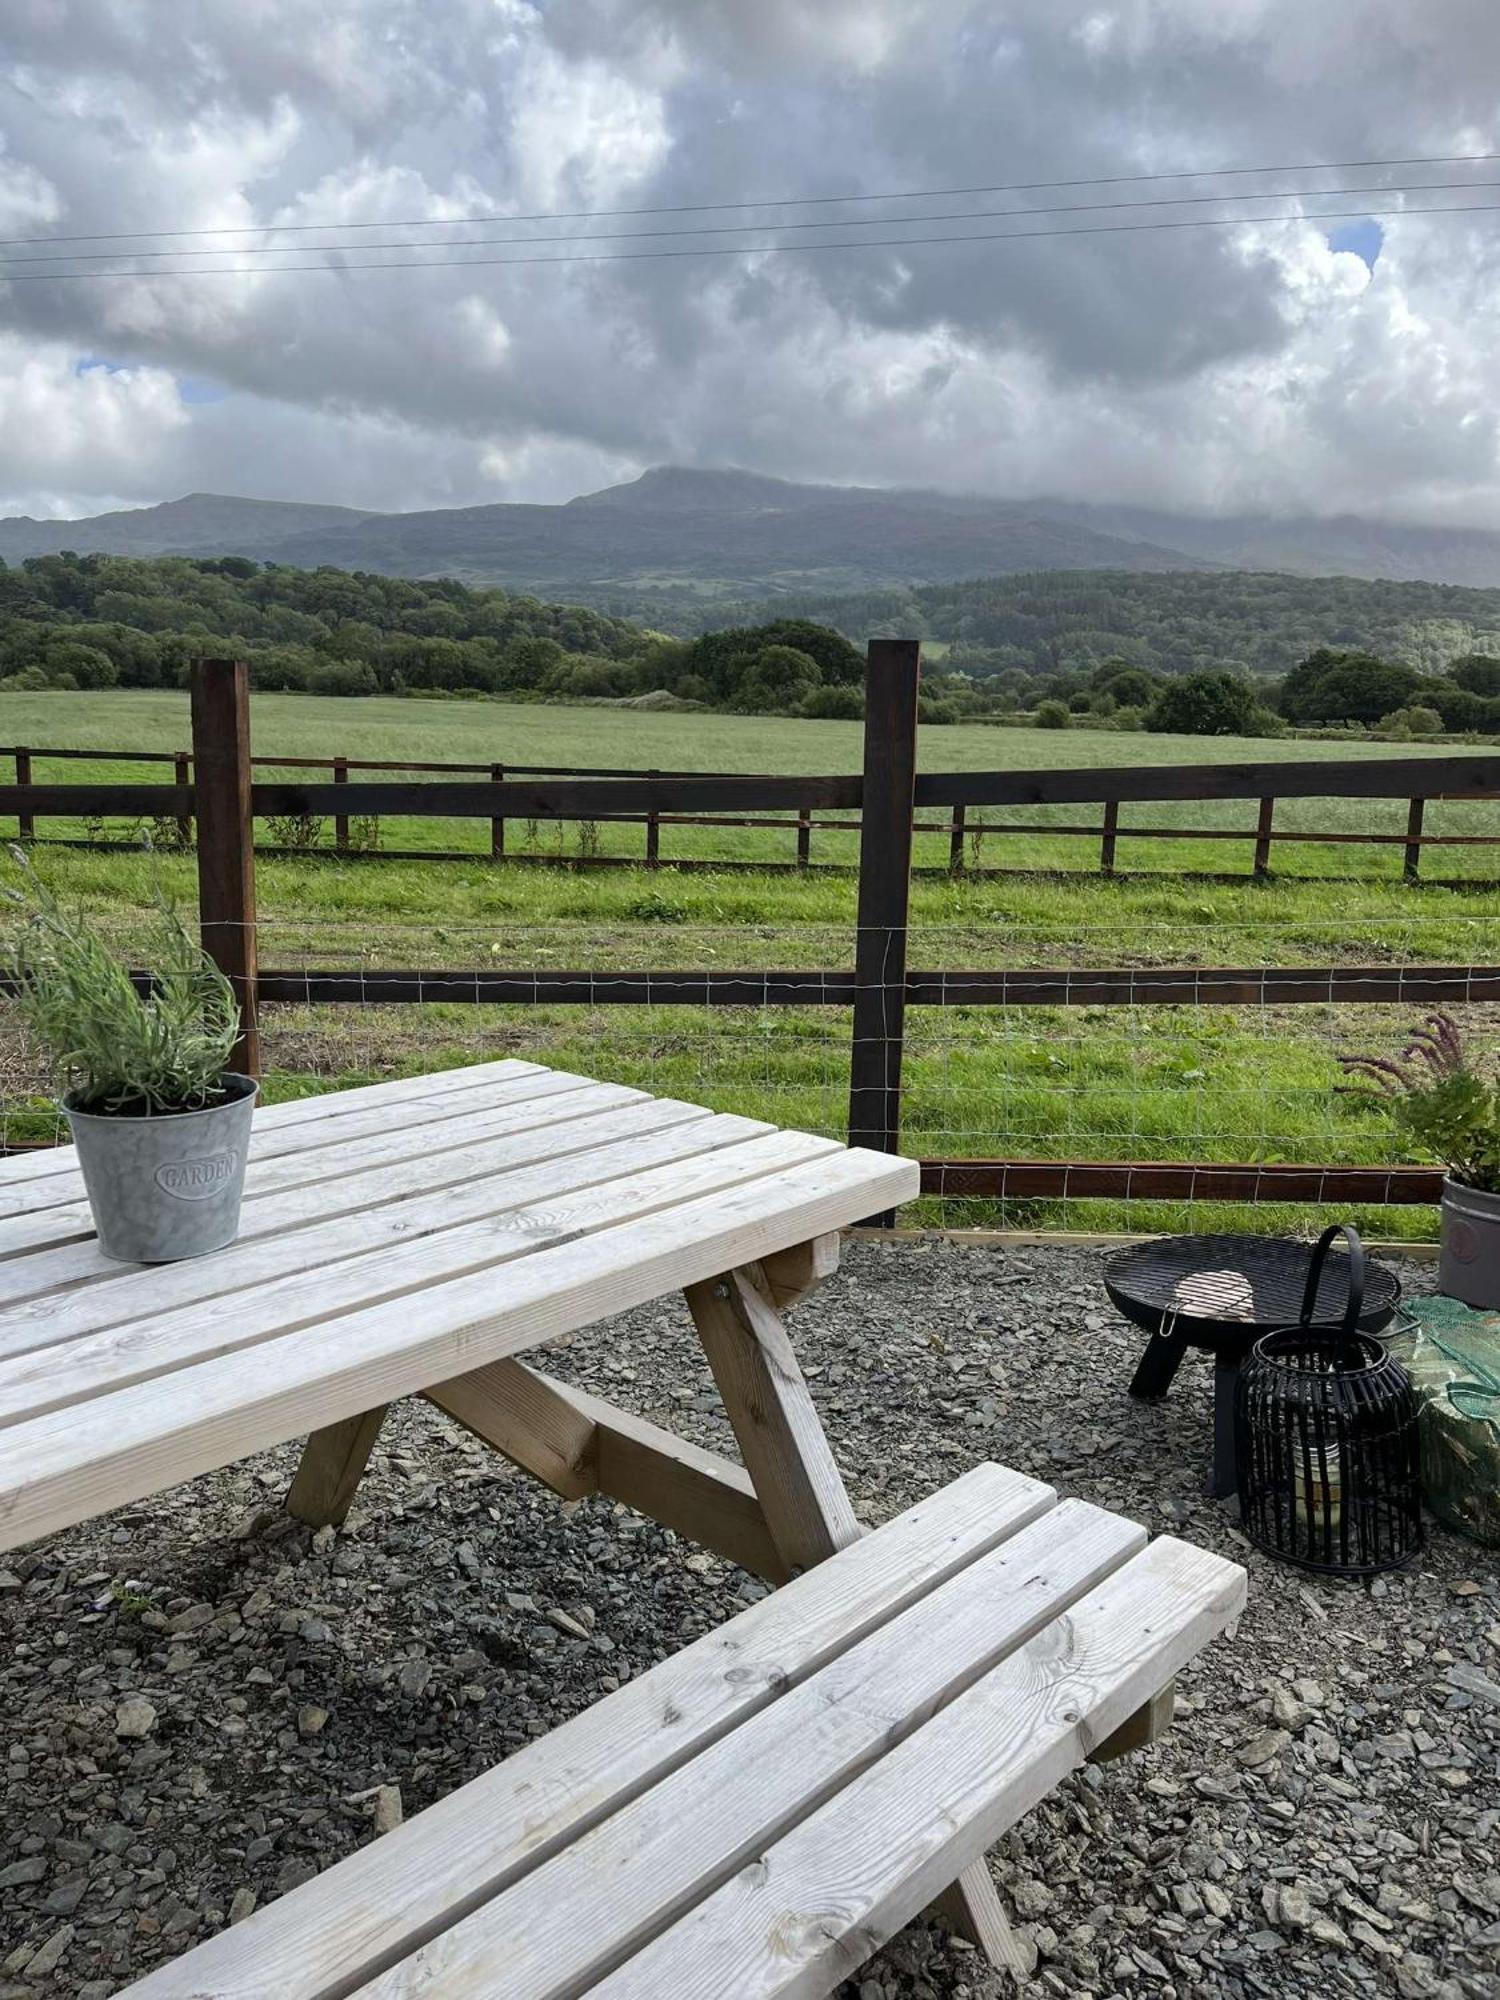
{"x": 1326, "y": 1440}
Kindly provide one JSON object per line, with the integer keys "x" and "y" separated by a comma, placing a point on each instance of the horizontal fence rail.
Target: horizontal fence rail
{"x": 613, "y": 796}
{"x": 1129, "y": 986}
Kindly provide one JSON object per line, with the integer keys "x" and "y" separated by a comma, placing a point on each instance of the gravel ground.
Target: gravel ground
{"x": 204, "y": 1703}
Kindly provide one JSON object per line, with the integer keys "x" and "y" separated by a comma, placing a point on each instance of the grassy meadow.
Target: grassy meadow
{"x": 1104, "y": 1083}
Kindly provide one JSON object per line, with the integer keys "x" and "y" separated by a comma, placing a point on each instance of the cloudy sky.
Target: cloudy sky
{"x": 1323, "y": 365}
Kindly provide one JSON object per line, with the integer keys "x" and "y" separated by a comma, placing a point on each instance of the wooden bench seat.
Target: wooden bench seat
{"x": 760, "y": 1812}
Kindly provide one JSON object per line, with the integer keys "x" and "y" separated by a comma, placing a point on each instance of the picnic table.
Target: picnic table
{"x": 886, "y": 1714}
{"x": 414, "y": 1237}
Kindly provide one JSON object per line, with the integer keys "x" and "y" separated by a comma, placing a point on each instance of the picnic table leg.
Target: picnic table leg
{"x": 333, "y": 1462}
{"x": 807, "y": 1507}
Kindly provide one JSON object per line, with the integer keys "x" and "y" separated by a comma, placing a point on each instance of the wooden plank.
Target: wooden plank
{"x": 575, "y": 1155}
{"x": 1179, "y": 1180}
{"x": 660, "y": 1854}
{"x": 1151, "y": 1721}
{"x": 78, "y": 1462}
{"x": 183, "y": 776}
{"x": 533, "y": 1422}
{"x": 1261, "y": 866}
{"x": 956, "y": 828}
{"x": 781, "y": 1440}
{"x": 577, "y": 1444}
{"x": 1337, "y": 778}
{"x": 270, "y": 1140}
{"x": 1207, "y": 986}
{"x": 555, "y": 987}
{"x": 510, "y": 1216}
{"x": 793, "y": 1274}
{"x": 892, "y": 680}
{"x": 543, "y": 798}
{"x": 219, "y": 696}
{"x": 1062, "y": 986}
{"x": 25, "y": 823}
{"x": 295, "y": 1111}
{"x": 104, "y": 801}
{"x": 807, "y": 1914}
{"x": 341, "y": 819}
{"x": 386, "y": 1900}
{"x": 333, "y": 1462}
{"x": 56, "y": 1245}
{"x": 1109, "y": 835}
{"x": 1411, "y": 860}
{"x": 971, "y": 1907}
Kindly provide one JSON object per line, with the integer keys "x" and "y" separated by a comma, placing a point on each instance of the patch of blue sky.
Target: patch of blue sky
{"x": 1364, "y": 237}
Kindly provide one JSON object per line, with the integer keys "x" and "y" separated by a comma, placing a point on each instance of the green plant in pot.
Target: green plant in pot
{"x": 160, "y": 1121}
{"x": 1440, "y": 1106}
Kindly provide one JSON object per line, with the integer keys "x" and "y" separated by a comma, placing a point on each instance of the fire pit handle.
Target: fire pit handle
{"x": 1356, "y": 1301}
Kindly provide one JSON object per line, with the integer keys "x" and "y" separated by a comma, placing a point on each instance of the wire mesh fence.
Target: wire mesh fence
{"x": 1125, "y": 1079}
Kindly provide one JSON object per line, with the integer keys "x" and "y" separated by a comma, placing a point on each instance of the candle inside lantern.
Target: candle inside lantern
{"x": 1320, "y": 1491}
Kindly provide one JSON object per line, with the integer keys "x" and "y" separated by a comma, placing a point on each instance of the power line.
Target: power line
{"x": 755, "y": 250}
{"x": 741, "y": 228}
{"x": 781, "y": 201}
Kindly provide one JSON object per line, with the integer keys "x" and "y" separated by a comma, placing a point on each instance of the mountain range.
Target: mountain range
{"x": 682, "y": 537}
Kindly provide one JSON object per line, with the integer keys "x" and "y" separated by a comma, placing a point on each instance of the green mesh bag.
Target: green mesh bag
{"x": 1452, "y": 1354}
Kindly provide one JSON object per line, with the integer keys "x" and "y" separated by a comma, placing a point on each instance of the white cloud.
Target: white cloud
{"x": 1227, "y": 368}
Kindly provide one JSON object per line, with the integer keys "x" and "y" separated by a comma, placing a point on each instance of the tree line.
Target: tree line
{"x": 100, "y": 621}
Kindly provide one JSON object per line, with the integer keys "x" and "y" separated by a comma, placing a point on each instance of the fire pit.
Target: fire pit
{"x": 1222, "y": 1293}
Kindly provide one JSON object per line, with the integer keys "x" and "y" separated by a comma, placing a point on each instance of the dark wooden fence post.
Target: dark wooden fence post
{"x": 220, "y": 694}
{"x": 1412, "y": 853}
{"x": 25, "y": 824}
{"x": 653, "y": 834}
{"x": 892, "y": 675}
{"x": 182, "y": 774}
{"x": 497, "y": 824}
{"x": 1109, "y": 834}
{"x": 804, "y": 836}
{"x": 956, "y": 840}
{"x": 1262, "y": 867}
{"x": 341, "y": 820}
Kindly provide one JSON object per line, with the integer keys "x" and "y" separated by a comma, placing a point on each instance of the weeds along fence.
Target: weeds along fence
{"x": 347, "y": 815}
{"x": 1084, "y": 1082}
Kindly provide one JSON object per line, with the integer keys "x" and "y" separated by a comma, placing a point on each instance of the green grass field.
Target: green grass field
{"x": 1143, "y": 1083}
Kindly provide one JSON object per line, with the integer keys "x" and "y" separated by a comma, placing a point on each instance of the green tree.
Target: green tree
{"x": 1053, "y": 715}
{"x": 778, "y": 677}
{"x": 1479, "y": 673}
{"x": 833, "y": 704}
{"x": 86, "y": 666}
{"x": 1204, "y": 705}
{"x": 1346, "y": 687}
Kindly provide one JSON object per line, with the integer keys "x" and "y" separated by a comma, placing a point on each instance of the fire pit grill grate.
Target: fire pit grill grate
{"x": 1233, "y": 1289}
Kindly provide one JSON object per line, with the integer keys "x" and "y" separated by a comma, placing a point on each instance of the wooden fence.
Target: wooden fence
{"x": 595, "y": 795}
{"x": 224, "y": 799}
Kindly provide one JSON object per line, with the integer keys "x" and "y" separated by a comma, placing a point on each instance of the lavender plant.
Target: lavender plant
{"x": 1437, "y": 1102}
{"x": 111, "y": 1048}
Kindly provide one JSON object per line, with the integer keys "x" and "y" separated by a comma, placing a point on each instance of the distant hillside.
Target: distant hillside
{"x": 675, "y": 545}
{"x": 209, "y": 524}
{"x": 711, "y": 534}
{"x": 1257, "y": 624}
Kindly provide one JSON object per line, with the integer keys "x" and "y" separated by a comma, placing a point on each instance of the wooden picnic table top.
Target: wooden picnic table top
{"x": 392, "y": 1238}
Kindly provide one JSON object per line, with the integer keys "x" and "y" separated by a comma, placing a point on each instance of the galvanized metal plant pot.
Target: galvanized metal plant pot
{"x": 166, "y": 1187}
{"x": 1469, "y": 1254}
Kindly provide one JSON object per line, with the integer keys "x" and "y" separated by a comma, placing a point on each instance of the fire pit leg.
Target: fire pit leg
{"x": 1225, "y": 1479}
{"x": 1156, "y": 1367}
